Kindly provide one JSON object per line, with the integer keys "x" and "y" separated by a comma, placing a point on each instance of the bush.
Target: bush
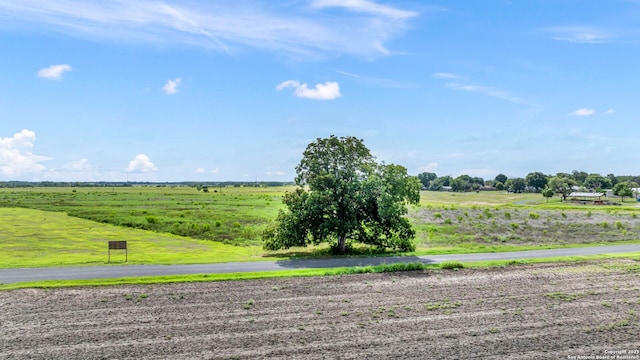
{"x": 451, "y": 264}
{"x": 152, "y": 220}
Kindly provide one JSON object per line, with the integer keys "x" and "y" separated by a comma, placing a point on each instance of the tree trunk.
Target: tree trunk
{"x": 342, "y": 243}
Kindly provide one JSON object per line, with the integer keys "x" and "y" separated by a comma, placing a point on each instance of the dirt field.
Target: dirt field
{"x": 524, "y": 312}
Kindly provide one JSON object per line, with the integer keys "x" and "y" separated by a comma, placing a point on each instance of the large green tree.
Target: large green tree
{"x": 501, "y": 178}
{"x": 597, "y": 182}
{"x": 537, "y": 180}
{"x": 624, "y": 188}
{"x": 561, "y": 185}
{"x": 344, "y": 195}
{"x": 426, "y": 178}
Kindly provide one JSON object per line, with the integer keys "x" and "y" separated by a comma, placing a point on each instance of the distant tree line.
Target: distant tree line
{"x": 560, "y": 183}
{"x": 197, "y": 184}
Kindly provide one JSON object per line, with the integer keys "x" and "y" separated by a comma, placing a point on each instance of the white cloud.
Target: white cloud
{"x": 327, "y": 91}
{"x": 200, "y": 170}
{"x": 584, "y": 112}
{"x": 315, "y": 28}
{"x": 215, "y": 171}
{"x": 54, "y": 72}
{"x": 610, "y": 111}
{"x": 430, "y": 167}
{"x": 141, "y": 164}
{"x": 16, "y": 160}
{"x": 579, "y": 34}
{"x": 171, "y": 87}
{"x": 78, "y": 165}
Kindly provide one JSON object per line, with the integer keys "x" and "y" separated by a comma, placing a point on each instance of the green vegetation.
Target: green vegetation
{"x": 563, "y": 296}
{"x": 451, "y": 265}
{"x": 229, "y": 215}
{"x": 37, "y": 232}
{"x": 345, "y": 196}
{"x": 443, "y": 305}
{"x": 34, "y": 238}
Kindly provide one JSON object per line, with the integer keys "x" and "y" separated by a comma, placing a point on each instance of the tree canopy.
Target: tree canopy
{"x": 345, "y": 196}
{"x": 624, "y": 188}
{"x": 561, "y": 185}
{"x": 536, "y": 180}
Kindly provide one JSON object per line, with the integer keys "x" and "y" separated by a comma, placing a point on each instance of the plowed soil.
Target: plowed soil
{"x": 525, "y": 312}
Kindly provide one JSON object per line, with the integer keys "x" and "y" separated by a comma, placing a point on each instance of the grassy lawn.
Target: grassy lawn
{"x": 36, "y": 238}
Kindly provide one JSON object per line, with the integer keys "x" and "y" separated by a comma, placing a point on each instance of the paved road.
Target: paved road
{"x": 96, "y": 272}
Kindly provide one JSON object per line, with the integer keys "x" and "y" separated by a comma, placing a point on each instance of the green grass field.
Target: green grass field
{"x": 171, "y": 225}
{"x": 36, "y": 238}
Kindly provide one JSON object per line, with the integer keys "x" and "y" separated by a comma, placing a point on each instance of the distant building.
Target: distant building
{"x": 586, "y": 197}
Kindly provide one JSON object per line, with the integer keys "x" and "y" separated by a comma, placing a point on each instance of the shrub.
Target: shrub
{"x": 514, "y": 226}
{"x": 451, "y": 264}
{"x": 152, "y": 220}
{"x": 534, "y": 215}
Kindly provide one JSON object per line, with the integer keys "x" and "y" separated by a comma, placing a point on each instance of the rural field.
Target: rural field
{"x": 520, "y": 311}
{"x": 171, "y": 225}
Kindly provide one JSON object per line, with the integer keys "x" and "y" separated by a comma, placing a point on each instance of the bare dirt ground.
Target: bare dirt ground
{"x": 523, "y": 311}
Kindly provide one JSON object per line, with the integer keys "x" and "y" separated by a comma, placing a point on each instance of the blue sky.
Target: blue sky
{"x": 235, "y": 90}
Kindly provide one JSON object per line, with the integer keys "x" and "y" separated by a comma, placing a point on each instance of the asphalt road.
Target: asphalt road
{"x": 8, "y": 276}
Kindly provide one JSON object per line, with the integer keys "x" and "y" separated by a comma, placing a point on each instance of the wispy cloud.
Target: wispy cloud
{"x": 302, "y": 28}
{"x": 368, "y": 7}
{"x": 442, "y": 75}
{"x": 610, "y": 111}
{"x": 584, "y": 112}
{"x": 171, "y": 86}
{"x": 141, "y": 164}
{"x": 454, "y": 81}
{"x": 486, "y": 90}
{"x": 327, "y": 91}
{"x": 580, "y": 34}
{"x": 387, "y": 83}
{"x": 54, "y": 72}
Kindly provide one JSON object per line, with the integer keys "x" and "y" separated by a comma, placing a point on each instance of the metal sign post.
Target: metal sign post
{"x": 118, "y": 245}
